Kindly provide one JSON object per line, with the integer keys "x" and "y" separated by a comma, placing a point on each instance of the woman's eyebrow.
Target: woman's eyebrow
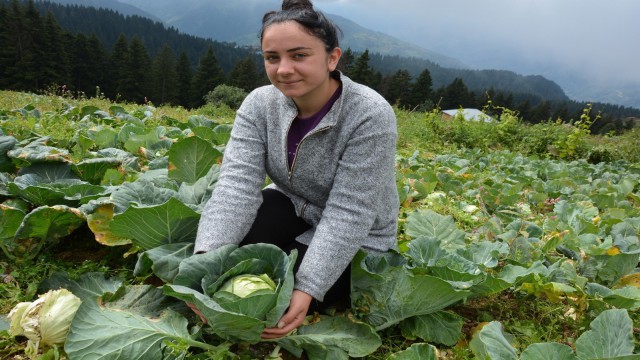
{"x": 298, "y": 48}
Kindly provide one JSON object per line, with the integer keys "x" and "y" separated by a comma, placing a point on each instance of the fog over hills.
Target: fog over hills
{"x": 589, "y": 47}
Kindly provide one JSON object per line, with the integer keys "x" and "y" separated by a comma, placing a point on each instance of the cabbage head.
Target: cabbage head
{"x": 45, "y": 321}
{"x": 249, "y": 285}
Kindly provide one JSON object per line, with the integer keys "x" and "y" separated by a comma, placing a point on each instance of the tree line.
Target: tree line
{"x": 36, "y": 54}
{"x": 418, "y": 93}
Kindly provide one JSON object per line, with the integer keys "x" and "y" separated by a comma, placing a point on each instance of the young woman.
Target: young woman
{"x": 328, "y": 146}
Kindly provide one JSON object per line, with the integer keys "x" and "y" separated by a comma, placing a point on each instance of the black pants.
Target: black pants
{"x": 278, "y": 224}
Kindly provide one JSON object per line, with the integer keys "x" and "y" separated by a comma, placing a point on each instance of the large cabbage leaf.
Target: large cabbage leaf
{"x": 225, "y": 323}
{"x": 6, "y": 144}
{"x": 43, "y": 225}
{"x": 548, "y": 351}
{"x": 88, "y": 285}
{"x": 191, "y": 158}
{"x": 610, "y": 337}
{"x": 163, "y": 261}
{"x": 152, "y": 226}
{"x": 334, "y": 337}
{"x": 491, "y": 342}
{"x": 133, "y": 324}
{"x": 385, "y": 292}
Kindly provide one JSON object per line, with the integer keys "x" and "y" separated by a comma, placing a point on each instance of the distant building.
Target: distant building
{"x": 467, "y": 114}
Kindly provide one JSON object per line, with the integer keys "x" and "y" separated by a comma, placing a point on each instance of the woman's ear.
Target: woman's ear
{"x": 334, "y": 57}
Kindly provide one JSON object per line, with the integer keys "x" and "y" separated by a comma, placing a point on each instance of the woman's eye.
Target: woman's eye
{"x": 299, "y": 56}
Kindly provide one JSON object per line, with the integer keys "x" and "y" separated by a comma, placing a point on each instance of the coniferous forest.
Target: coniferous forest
{"x": 82, "y": 51}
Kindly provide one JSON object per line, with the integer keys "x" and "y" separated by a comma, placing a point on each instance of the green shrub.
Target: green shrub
{"x": 225, "y": 94}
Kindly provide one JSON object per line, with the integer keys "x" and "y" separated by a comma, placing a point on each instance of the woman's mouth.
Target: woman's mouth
{"x": 289, "y": 82}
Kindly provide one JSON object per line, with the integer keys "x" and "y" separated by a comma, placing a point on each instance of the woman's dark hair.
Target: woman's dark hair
{"x": 302, "y": 12}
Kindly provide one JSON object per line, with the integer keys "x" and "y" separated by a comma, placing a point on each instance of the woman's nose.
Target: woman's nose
{"x": 285, "y": 66}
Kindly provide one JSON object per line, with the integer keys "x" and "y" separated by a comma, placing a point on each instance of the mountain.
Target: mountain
{"x": 114, "y": 5}
{"x": 239, "y": 21}
{"x": 226, "y": 36}
{"x": 577, "y": 82}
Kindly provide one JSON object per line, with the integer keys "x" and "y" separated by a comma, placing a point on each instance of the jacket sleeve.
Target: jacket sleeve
{"x": 366, "y": 166}
{"x": 232, "y": 208}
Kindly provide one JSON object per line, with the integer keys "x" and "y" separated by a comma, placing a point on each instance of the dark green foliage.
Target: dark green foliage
{"x": 208, "y": 75}
{"x": 137, "y": 79}
{"x": 362, "y": 72}
{"x": 228, "y": 95}
{"x": 165, "y": 77}
{"x": 55, "y": 59}
{"x": 184, "y": 74}
{"x": 397, "y": 88}
{"x": 346, "y": 62}
{"x": 421, "y": 96}
{"x": 118, "y": 67}
{"x": 454, "y": 95}
{"x": 245, "y": 74}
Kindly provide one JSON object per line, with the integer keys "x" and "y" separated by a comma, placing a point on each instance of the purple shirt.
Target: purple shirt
{"x": 302, "y": 126}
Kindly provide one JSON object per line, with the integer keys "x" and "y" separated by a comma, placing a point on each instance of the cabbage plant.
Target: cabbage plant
{"x": 45, "y": 321}
{"x": 239, "y": 290}
{"x": 242, "y": 290}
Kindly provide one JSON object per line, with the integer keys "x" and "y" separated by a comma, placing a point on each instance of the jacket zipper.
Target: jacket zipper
{"x": 304, "y": 206}
{"x": 293, "y": 164}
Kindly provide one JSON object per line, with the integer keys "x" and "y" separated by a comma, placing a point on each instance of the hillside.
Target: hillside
{"x": 108, "y": 25}
{"x": 238, "y": 21}
{"x": 114, "y": 5}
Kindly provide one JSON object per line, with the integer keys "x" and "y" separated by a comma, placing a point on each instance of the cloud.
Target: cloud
{"x": 591, "y": 36}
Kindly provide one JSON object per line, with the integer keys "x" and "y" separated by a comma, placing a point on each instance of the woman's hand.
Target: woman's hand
{"x": 298, "y": 308}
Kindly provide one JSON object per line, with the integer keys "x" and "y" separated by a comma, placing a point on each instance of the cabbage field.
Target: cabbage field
{"x": 502, "y": 255}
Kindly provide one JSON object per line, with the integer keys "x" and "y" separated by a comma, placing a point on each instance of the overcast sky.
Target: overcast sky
{"x": 598, "y": 37}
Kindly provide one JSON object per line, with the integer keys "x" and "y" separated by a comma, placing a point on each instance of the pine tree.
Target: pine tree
{"x": 400, "y": 89}
{"x": 164, "y": 77}
{"x": 185, "y": 76}
{"x": 138, "y": 81}
{"x": 80, "y": 70}
{"x": 456, "y": 95}
{"x": 524, "y": 110}
{"x": 8, "y": 52}
{"x": 245, "y": 74}
{"x": 362, "y": 72}
{"x": 422, "y": 93}
{"x": 21, "y": 70}
{"x": 346, "y": 62}
{"x": 55, "y": 60}
{"x": 118, "y": 63}
{"x": 542, "y": 112}
{"x": 98, "y": 62}
{"x": 208, "y": 75}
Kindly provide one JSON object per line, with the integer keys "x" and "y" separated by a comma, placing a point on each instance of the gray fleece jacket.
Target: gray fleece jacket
{"x": 342, "y": 180}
